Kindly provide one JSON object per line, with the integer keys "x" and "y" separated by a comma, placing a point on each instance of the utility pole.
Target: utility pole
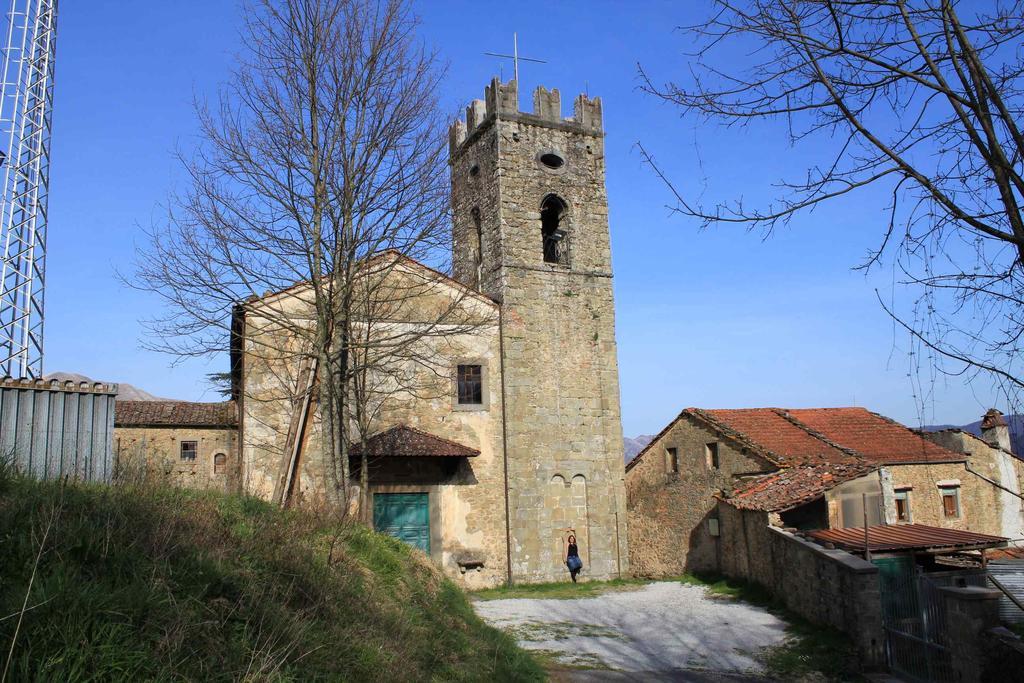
{"x": 26, "y": 106}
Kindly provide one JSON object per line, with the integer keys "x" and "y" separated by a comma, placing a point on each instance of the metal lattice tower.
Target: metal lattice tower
{"x": 26, "y": 104}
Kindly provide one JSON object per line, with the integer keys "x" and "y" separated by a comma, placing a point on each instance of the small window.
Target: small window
{"x": 552, "y": 160}
{"x": 903, "y": 506}
{"x": 470, "y": 382}
{"x": 189, "y": 450}
{"x": 950, "y": 501}
{"x": 672, "y": 460}
{"x": 711, "y": 455}
{"x": 219, "y": 463}
{"x": 474, "y": 170}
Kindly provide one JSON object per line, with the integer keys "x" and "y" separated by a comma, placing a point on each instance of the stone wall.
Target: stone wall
{"x": 155, "y": 452}
{"x": 997, "y": 481}
{"x": 980, "y": 501}
{"x": 467, "y": 505}
{"x": 668, "y": 512}
{"x": 563, "y": 427}
{"x": 828, "y": 587}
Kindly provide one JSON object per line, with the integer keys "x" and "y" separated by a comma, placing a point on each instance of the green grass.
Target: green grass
{"x": 167, "y": 584}
{"x": 560, "y": 590}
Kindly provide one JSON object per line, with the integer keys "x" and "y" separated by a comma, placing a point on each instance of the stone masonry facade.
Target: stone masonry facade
{"x": 669, "y": 508}
{"x": 155, "y": 452}
{"x": 563, "y": 435}
{"x": 465, "y": 495}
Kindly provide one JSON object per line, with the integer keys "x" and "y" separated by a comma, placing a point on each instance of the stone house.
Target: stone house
{"x": 194, "y": 445}
{"x": 512, "y": 437}
{"x": 807, "y": 469}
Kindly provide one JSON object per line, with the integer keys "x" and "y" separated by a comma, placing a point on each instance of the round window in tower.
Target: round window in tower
{"x": 552, "y": 160}
{"x": 474, "y": 171}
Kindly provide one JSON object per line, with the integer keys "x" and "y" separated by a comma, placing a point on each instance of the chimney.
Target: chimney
{"x": 994, "y": 430}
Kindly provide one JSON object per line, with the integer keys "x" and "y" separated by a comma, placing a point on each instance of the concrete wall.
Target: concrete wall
{"x": 668, "y": 512}
{"x": 155, "y": 453}
{"x": 829, "y": 587}
{"x": 564, "y": 434}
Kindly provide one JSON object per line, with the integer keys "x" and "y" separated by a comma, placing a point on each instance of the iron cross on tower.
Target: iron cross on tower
{"x": 515, "y": 57}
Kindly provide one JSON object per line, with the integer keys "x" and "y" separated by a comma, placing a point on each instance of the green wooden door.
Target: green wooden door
{"x": 405, "y": 516}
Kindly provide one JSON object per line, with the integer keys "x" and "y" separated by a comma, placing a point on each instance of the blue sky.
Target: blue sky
{"x": 713, "y": 318}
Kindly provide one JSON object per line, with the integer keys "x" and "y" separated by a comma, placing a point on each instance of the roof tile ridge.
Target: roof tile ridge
{"x": 785, "y": 414}
{"x": 738, "y": 436}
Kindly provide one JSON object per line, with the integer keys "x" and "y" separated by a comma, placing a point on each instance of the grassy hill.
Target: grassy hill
{"x": 109, "y": 583}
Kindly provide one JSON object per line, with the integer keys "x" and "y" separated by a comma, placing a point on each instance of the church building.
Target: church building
{"x": 522, "y": 444}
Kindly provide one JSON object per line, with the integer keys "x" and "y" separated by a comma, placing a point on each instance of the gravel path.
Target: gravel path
{"x": 664, "y": 630}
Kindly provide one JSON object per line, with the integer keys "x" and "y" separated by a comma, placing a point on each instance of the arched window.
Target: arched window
{"x": 553, "y": 230}
{"x": 219, "y": 463}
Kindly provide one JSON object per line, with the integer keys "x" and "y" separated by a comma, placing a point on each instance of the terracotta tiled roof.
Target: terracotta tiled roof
{"x": 407, "y": 441}
{"x": 905, "y": 537}
{"x": 794, "y": 486}
{"x": 787, "y": 444}
{"x": 1011, "y": 553}
{"x": 175, "y": 414}
{"x": 878, "y": 439}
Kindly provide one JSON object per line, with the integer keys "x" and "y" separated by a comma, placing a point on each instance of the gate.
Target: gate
{"x": 913, "y": 615}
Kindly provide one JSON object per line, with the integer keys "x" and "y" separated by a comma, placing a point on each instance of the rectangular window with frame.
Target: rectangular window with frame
{"x": 711, "y": 455}
{"x": 903, "y": 506}
{"x": 950, "y": 501}
{"x": 672, "y": 458}
{"x": 189, "y": 450}
{"x": 470, "y": 381}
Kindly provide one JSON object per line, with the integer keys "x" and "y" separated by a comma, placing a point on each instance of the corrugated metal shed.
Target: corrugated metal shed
{"x": 1010, "y": 573}
{"x": 906, "y": 537}
{"x": 53, "y": 428}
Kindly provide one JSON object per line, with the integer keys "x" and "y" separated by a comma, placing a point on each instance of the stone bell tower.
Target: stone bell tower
{"x": 531, "y": 231}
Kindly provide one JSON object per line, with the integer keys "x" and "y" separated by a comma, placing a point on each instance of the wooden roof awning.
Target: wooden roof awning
{"x": 402, "y": 441}
{"x": 908, "y": 537}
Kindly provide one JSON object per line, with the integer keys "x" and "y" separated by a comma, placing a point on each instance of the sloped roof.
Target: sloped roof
{"x": 789, "y": 443}
{"x": 876, "y": 438}
{"x": 906, "y": 537}
{"x": 816, "y": 449}
{"x": 794, "y": 486}
{"x": 404, "y": 441}
{"x": 175, "y": 414}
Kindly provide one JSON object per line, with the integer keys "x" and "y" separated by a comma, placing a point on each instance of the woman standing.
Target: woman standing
{"x": 572, "y": 558}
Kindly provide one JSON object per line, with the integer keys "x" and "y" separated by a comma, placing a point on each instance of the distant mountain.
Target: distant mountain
{"x": 125, "y": 391}
{"x": 633, "y": 446}
{"x": 1016, "y": 423}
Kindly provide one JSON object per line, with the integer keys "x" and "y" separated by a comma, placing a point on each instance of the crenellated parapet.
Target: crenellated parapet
{"x": 501, "y": 100}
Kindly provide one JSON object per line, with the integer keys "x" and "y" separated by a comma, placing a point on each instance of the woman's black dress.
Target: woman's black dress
{"x": 572, "y": 559}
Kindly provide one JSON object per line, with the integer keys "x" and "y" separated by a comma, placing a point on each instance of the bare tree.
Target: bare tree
{"x": 921, "y": 99}
{"x": 324, "y": 151}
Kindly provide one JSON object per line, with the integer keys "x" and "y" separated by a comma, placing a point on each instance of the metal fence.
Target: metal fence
{"x": 913, "y": 614}
{"x": 51, "y": 429}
